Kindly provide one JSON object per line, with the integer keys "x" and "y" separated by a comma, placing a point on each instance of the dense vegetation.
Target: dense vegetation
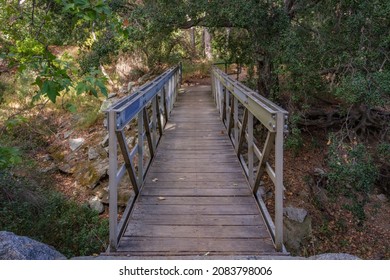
{"x": 327, "y": 62}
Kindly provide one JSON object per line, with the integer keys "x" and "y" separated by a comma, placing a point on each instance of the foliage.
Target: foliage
{"x": 9, "y": 156}
{"x": 352, "y": 173}
{"x": 351, "y": 167}
{"x": 47, "y": 216}
{"x": 28, "y": 35}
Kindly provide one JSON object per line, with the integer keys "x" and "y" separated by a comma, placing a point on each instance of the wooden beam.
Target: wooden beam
{"x": 242, "y": 131}
{"x": 269, "y": 143}
{"x": 148, "y": 134}
{"x": 126, "y": 156}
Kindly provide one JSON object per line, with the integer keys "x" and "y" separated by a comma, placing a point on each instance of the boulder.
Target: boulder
{"x": 334, "y": 256}
{"x": 297, "y": 228}
{"x": 295, "y": 214}
{"x": 92, "y": 153}
{"x": 14, "y": 247}
{"x": 96, "y": 204}
{"x": 76, "y": 143}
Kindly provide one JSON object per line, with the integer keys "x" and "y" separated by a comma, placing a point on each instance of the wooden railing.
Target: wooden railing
{"x": 148, "y": 108}
{"x": 238, "y": 106}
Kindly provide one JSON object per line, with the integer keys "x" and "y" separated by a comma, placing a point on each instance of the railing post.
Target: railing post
{"x": 279, "y": 181}
{"x": 140, "y": 148}
{"x": 113, "y": 193}
{"x": 250, "y": 148}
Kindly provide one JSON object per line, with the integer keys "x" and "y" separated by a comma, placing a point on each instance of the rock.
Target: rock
{"x": 334, "y": 256}
{"x": 382, "y": 197}
{"x": 96, "y": 204}
{"x": 76, "y": 143}
{"x": 320, "y": 194}
{"x": 92, "y": 153}
{"x": 67, "y": 134}
{"x": 130, "y": 86}
{"x": 105, "y": 122}
{"x": 51, "y": 168}
{"x": 319, "y": 172}
{"x": 65, "y": 168}
{"x": 90, "y": 173}
{"x": 295, "y": 214}
{"x": 112, "y": 95}
{"x": 297, "y": 228}
{"x": 14, "y": 247}
{"x": 105, "y": 141}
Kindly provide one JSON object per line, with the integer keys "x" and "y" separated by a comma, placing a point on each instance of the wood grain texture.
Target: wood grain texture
{"x": 195, "y": 198}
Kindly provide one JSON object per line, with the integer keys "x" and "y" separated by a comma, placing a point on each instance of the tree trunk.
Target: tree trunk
{"x": 193, "y": 42}
{"x": 207, "y": 44}
{"x": 264, "y": 70}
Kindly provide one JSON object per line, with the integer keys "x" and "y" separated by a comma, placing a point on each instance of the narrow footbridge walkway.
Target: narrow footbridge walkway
{"x": 193, "y": 196}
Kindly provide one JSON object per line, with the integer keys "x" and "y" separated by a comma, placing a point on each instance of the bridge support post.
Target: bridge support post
{"x": 279, "y": 181}
{"x": 113, "y": 193}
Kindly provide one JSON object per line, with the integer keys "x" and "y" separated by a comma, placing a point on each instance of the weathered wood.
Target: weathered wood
{"x": 201, "y": 200}
{"x": 196, "y": 185}
{"x": 268, "y": 145}
{"x": 210, "y": 231}
{"x": 240, "y": 209}
{"x": 148, "y": 133}
{"x": 242, "y": 131}
{"x": 235, "y": 177}
{"x": 128, "y": 162}
{"x": 200, "y": 220}
{"x": 195, "y": 192}
{"x": 195, "y": 198}
{"x": 195, "y": 245}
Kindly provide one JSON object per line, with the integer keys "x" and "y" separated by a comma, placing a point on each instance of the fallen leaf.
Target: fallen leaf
{"x": 235, "y": 184}
{"x": 161, "y": 198}
{"x": 154, "y": 180}
{"x": 207, "y": 254}
{"x": 181, "y": 178}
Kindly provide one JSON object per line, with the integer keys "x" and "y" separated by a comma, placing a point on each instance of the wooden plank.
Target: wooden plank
{"x": 240, "y": 209}
{"x": 195, "y": 245}
{"x": 195, "y": 185}
{"x": 195, "y": 192}
{"x": 235, "y": 177}
{"x": 205, "y": 220}
{"x": 174, "y": 200}
{"x": 179, "y": 231}
{"x": 197, "y": 169}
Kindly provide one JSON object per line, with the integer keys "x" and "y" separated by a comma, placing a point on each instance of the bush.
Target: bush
{"x": 49, "y": 217}
{"x": 352, "y": 174}
{"x": 351, "y": 167}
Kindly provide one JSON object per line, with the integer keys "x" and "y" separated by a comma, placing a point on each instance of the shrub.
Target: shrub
{"x": 49, "y": 217}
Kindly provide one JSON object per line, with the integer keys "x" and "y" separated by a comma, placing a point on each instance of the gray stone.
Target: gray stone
{"x": 382, "y": 197}
{"x": 96, "y": 204}
{"x": 105, "y": 122}
{"x": 319, "y": 172}
{"x": 92, "y": 153}
{"x": 14, "y": 247}
{"x": 297, "y": 228}
{"x": 105, "y": 141}
{"x": 51, "y": 168}
{"x": 76, "y": 143}
{"x": 112, "y": 95}
{"x": 295, "y": 214}
{"x": 67, "y": 134}
{"x": 130, "y": 86}
{"x": 334, "y": 256}
{"x": 66, "y": 168}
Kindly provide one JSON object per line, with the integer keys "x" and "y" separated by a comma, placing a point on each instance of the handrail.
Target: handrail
{"x": 151, "y": 106}
{"x": 228, "y": 94}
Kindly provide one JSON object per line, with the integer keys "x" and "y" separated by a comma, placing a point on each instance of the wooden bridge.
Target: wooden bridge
{"x": 196, "y": 187}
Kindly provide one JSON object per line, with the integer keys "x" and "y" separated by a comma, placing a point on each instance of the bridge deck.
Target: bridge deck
{"x": 196, "y": 200}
